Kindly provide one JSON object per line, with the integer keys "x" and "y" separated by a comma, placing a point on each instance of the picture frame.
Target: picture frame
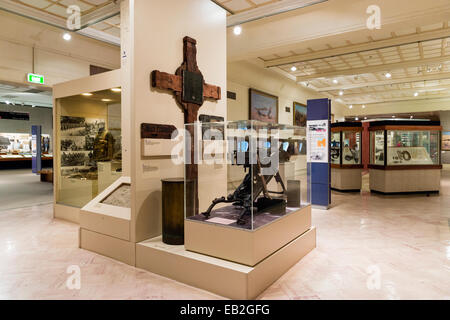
{"x": 446, "y": 141}
{"x": 263, "y": 106}
{"x": 299, "y": 112}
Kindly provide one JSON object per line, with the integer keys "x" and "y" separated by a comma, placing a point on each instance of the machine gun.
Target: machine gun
{"x": 252, "y": 194}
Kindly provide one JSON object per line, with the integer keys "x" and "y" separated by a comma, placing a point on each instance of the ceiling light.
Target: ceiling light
{"x": 364, "y": 106}
{"x": 365, "y": 118}
{"x": 388, "y": 75}
{"x": 335, "y": 81}
{"x": 356, "y": 118}
{"x": 116, "y": 90}
{"x": 7, "y": 102}
{"x": 411, "y": 117}
{"x": 67, "y": 36}
{"x": 351, "y": 106}
{"x": 33, "y": 106}
{"x": 106, "y": 100}
{"x": 341, "y": 93}
{"x": 87, "y": 94}
{"x": 393, "y": 116}
{"x": 416, "y": 94}
{"x": 237, "y": 30}
{"x": 294, "y": 68}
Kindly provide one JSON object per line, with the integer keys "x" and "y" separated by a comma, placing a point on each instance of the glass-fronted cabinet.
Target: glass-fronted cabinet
{"x": 88, "y": 145}
{"x": 346, "y": 156}
{"x": 405, "y": 145}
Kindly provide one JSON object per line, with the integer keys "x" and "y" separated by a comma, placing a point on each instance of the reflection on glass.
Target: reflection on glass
{"x": 335, "y": 147}
{"x": 351, "y": 147}
{"x": 89, "y": 151}
{"x": 377, "y": 147}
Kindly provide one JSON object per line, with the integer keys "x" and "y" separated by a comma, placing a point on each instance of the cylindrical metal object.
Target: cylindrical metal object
{"x": 173, "y": 207}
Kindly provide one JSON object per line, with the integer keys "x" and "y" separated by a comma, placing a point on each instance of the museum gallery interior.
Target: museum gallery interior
{"x": 227, "y": 149}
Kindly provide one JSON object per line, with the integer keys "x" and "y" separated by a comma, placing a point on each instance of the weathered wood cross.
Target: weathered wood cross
{"x": 190, "y": 91}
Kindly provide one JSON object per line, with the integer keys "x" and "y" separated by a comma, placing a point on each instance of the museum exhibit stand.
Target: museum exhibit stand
{"x": 405, "y": 156}
{"x": 346, "y": 151}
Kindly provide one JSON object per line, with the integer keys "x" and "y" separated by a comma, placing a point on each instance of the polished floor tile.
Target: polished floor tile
{"x": 368, "y": 247}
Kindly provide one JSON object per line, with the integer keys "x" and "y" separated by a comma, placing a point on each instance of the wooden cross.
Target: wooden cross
{"x": 190, "y": 91}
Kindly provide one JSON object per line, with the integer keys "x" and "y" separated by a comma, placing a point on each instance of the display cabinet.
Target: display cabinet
{"x": 346, "y": 153}
{"x": 251, "y": 193}
{"x": 405, "y": 156}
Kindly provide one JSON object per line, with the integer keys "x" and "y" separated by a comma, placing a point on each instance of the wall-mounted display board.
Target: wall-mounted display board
{"x": 346, "y": 153}
{"x": 405, "y": 156}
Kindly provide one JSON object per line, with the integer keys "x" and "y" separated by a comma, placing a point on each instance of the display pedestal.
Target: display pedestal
{"x": 346, "y": 179}
{"x": 243, "y": 246}
{"x": 228, "y": 279}
{"x": 405, "y": 181}
{"x": 105, "y": 228}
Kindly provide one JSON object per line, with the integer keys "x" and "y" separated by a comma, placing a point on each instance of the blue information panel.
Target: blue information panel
{"x": 318, "y": 156}
{"x": 36, "y": 148}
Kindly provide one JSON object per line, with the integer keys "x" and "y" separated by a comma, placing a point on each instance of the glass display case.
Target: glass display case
{"x": 403, "y": 144}
{"x": 401, "y": 150}
{"x": 346, "y": 154}
{"x": 88, "y": 145}
{"x": 250, "y": 173}
{"x": 245, "y": 181}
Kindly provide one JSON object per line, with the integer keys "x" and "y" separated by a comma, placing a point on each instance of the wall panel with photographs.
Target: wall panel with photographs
{"x": 89, "y": 152}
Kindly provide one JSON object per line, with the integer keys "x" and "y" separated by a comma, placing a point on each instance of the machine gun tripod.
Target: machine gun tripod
{"x": 244, "y": 197}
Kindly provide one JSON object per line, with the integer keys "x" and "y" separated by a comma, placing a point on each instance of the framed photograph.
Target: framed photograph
{"x": 446, "y": 141}
{"x": 263, "y": 106}
{"x": 299, "y": 114}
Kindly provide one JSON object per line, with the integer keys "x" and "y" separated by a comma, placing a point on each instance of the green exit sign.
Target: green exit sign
{"x": 35, "y": 78}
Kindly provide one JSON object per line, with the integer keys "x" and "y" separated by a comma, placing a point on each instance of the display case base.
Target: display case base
{"x": 66, "y": 213}
{"x": 112, "y": 247}
{"x": 405, "y": 181}
{"x": 244, "y": 246}
{"x": 225, "y": 278}
{"x": 346, "y": 179}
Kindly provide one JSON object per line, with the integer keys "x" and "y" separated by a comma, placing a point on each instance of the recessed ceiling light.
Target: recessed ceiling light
{"x": 116, "y": 89}
{"x": 365, "y": 118}
{"x": 356, "y": 118}
{"x": 411, "y": 117}
{"x": 341, "y": 93}
{"x": 363, "y": 106}
{"x": 351, "y": 106}
{"x": 106, "y": 100}
{"x": 7, "y": 102}
{"x": 237, "y": 30}
{"x": 67, "y": 36}
{"x": 33, "y": 106}
{"x": 388, "y": 75}
{"x": 416, "y": 94}
{"x": 294, "y": 68}
{"x": 393, "y": 116}
{"x": 335, "y": 81}
{"x": 87, "y": 94}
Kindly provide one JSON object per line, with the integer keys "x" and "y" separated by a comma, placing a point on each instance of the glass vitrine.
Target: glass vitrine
{"x": 346, "y": 144}
{"x": 88, "y": 145}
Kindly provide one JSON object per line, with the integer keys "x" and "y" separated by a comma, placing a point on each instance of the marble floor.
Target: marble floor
{"x": 369, "y": 247}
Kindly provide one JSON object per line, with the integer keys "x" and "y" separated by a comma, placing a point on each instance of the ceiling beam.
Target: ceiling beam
{"x": 425, "y": 77}
{"x": 373, "y": 69}
{"x": 373, "y": 45}
{"x": 268, "y": 10}
{"x": 375, "y": 101}
{"x": 410, "y": 91}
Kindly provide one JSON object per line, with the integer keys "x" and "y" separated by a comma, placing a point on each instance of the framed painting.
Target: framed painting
{"x": 263, "y": 106}
{"x": 446, "y": 141}
{"x": 299, "y": 112}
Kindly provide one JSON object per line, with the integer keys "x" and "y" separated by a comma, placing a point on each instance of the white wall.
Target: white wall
{"x": 244, "y": 75}
{"x": 58, "y": 60}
